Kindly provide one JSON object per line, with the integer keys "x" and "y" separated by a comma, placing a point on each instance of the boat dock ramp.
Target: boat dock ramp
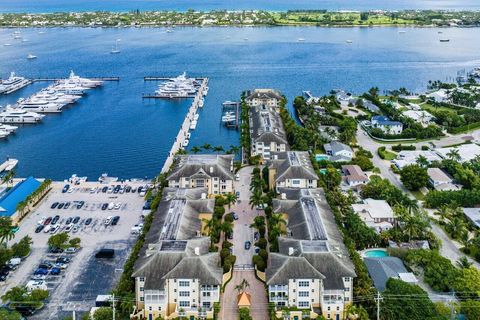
{"x": 231, "y": 111}
{"x": 182, "y": 138}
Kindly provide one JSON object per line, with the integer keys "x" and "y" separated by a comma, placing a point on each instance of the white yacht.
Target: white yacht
{"x": 37, "y": 105}
{"x": 8, "y": 165}
{"x": 196, "y": 116}
{"x": 229, "y": 117}
{"x": 3, "y": 134}
{"x": 13, "y": 83}
{"x": 16, "y": 115}
{"x": 193, "y": 125}
{"x": 179, "y": 87}
{"x": 83, "y": 82}
{"x": 201, "y": 103}
{"x": 8, "y": 128}
{"x": 185, "y": 143}
{"x": 56, "y": 97}
{"x": 69, "y": 89}
{"x": 31, "y": 56}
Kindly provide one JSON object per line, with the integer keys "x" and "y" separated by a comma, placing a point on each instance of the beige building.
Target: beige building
{"x": 264, "y": 97}
{"x": 176, "y": 275}
{"x": 292, "y": 169}
{"x": 211, "y": 171}
{"x": 376, "y": 214}
{"x": 312, "y": 271}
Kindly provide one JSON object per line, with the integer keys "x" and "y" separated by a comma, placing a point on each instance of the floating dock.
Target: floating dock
{"x": 231, "y": 114}
{"x": 183, "y": 133}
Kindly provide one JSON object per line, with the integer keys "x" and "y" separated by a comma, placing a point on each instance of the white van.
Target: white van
{"x": 36, "y": 284}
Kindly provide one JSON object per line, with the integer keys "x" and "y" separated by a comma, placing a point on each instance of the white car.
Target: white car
{"x": 109, "y": 190}
{"x": 93, "y": 190}
{"x": 54, "y": 229}
{"x": 47, "y": 229}
{"x": 111, "y": 205}
{"x": 42, "y": 220}
{"x": 70, "y": 190}
{"x": 117, "y": 205}
{"x": 75, "y": 229}
{"x": 68, "y": 228}
{"x": 108, "y": 221}
{"x": 38, "y": 277}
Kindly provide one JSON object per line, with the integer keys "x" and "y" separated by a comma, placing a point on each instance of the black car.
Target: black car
{"x": 116, "y": 189}
{"x": 147, "y": 205}
{"x": 105, "y": 189}
{"x": 139, "y": 190}
{"x": 65, "y": 188}
{"x": 39, "y": 228}
{"x": 104, "y": 206}
{"x": 63, "y": 260}
{"x": 76, "y": 219}
{"x": 80, "y": 204}
{"x": 25, "y": 310}
{"x": 3, "y": 277}
{"x": 54, "y": 205}
{"x": 45, "y": 266}
{"x": 5, "y": 270}
{"x": 88, "y": 221}
{"x": 115, "y": 220}
{"x": 69, "y": 220}
{"x": 105, "y": 253}
{"x": 55, "y": 219}
{"x": 67, "y": 205}
{"x": 128, "y": 189}
{"x": 56, "y": 250}
{"x": 60, "y": 205}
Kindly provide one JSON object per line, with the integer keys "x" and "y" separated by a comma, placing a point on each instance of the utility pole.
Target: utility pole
{"x": 73, "y": 315}
{"x": 113, "y": 296}
{"x": 378, "y": 305}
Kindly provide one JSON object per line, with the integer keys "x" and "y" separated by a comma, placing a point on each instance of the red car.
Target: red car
{"x": 47, "y": 221}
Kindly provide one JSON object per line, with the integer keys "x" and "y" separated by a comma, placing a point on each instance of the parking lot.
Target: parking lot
{"x": 89, "y": 216}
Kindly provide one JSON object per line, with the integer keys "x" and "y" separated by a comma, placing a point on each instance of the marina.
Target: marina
{"x": 180, "y": 87}
{"x": 231, "y": 114}
{"x": 182, "y": 139}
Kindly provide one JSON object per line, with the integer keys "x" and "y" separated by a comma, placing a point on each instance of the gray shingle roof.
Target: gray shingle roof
{"x": 264, "y": 94}
{"x": 211, "y": 165}
{"x": 334, "y": 147}
{"x": 266, "y": 126}
{"x": 293, "y": 165}
{"x": 381, "y": 269}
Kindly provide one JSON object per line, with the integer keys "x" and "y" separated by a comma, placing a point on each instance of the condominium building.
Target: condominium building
{"x": 292, "y": 169}
{"x": 311, "y": 272}
{"x": 214, "y": 172}
{"x": 176, "y": 275}
{"x": 264, "y": 97}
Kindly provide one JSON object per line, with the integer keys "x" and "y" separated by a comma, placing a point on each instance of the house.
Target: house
{"x": 176, "y": 275}
{"x": 215, "y": 172}
{"x": 292, "y": 169}
{"x": 376, "y": 214}
{"x": 386, "y": 125}
{"x": 466, "y": 152}
{"x": 440, "y": 181}
{"x": 264, "y": 97}
{"x": 370, "y": 106}
{"x": 439, "y": 96}
{"x": 382, "y": 269}
{"x": 338, "y": 151}
{"x": 266, "y": 132}
{"x": 353, "y": 175}
{"x": 409, "y": 157}
{"x": 473, "y": 215}
{"x": 421, "y": 116}
{"x": 312, "y": 273}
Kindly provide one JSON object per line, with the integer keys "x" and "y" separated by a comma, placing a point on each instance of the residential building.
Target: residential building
{"x": 353, "y": 175}
{"x": 384, "y": 268}
{"x": 266, "y": 131}
{"x": 440, "y": 181}
{"x": 441, "y": 95}
{"x": 473, "y": 214}
{"x": 311, "y": 271}
{"x": 338, "y": 151}
{"x": 370, "y": 106}
{"x": 215, "y": 172}
{"x": 466, "y": 152}
{"x": 376, "y": 214}
{"x": 386, "y": 125}
{"x": 264, "y": 97}
{"x": 292, "y": 169}
{"x": 420, "y": 116}
{"x": 176, "y": 275}
{"x": 407, "y": 157}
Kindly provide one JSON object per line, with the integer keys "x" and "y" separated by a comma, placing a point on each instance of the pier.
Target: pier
{"x": 185, "y": 127}
{"x": 231, "y": 114}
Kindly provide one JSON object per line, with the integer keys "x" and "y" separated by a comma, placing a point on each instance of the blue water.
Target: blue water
{"x": 273, "y": 5}
{"x": 112, "y": 130}
{"x": 376, "y": 254}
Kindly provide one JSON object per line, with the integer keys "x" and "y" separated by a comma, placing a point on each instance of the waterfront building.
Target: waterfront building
{"x": 264, "y": 97}
{"x": 175, "y": 274}
{"x": 338, "y": 151}
{"x": 386, "y": 125}
{"x": 266, "y": 132}
{"x": 292, "y": 169}
{"x": 311, "y": 274}
{"x": 214, "y": 172}
{"x": 353, "y": 175}
{"x": 420, "y": 116}
{"x": 376, "y": 214}
{"x": 409, "y": 157}
{"x": 10, "y": 199}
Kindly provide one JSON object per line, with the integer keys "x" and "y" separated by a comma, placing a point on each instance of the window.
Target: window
{"x": 303, "y": 304}
{"x": 206, "y": 305}
{"x": 149, "y": 308}
{"x": 142, "y": 299}
{"x": 142, "y": 279}
{"x": 347, "y": 279}
{"x": 295, "y": 181}
{"x": 338, "y": 308}
{"x": 184, "y": 293}
{"x": 206, "y": 294}
{"x": 303, "y": 293}
{"x": 184, "y": 303}
{"x": 183, "y": 283}
{"x": 303, "y": 283}
{"x": 200, "y": 183}
{"x": 141, "y": 288}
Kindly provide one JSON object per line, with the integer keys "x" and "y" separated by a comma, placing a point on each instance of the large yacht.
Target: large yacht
{"x": 38, "y": 105}
{"x": 56, "y": 97}
{"x": 179, "y": 87}
{"x": 16, "y": 115}
{"x": 13, "y": 83}
{"x": 73, "y": 79}
{"x": 8, "y": 128}
{"x": 69, "y": 89}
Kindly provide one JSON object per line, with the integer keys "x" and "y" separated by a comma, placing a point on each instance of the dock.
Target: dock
{"x": 185, "y": 127}
{"x": 231, "y": 114}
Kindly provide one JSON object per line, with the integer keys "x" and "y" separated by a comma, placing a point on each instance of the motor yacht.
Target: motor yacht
{"x": 73, "y": 79}
{"x": 13, "y": 83}
{"x": 37, "y": 105}
{"x": 31, "y": 56}
{"x": 8, "y": 128}
{"x": 3, "y": 134}
{"x": 17, "y": 115}
{"x": 69, "y": 89}
{"x": 179, "y": 87}
{"x": 57, "y": 97}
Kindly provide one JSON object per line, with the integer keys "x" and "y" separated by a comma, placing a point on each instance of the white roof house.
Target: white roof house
{"x": 407, "y": 157}
{"x": 439, "y": 95}
{"x": 467, "y": 152}
{"x": 473, "y": 214}
{"x": 440, "y": 180}
{"x": 375, "y": 213}
{"x": 420, "y": 116}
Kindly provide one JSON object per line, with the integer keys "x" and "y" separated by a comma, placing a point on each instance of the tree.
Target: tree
{"x": 356, "y": 312}
{"x": 363, "y": 162}
{"x": 414, "y": 177}
{"x": 58, "y": 240}
{"x": 6, "y": 230}
{"x": 454, "y": 155}
{"x": 103, "y": 313}
{"x": 464, "y": 263}
{"x": 242, "y": 286}
{"x": 22, "y": 248}
{"x": 227, "y": 228}
{"x": 195, "y": 149}
{"x": 244, "y": 314}
{"x": 218, "y": 149}
{"x": 207, "y": 146}
{"x": 9, "y": 315}
{"x": 422, "y": 161}
{"x": 456, "y": 227}
{"x": 331, "y": 178}
{"x": 231, "y": 198}
{"x": 256, "y": 198}
{"x": 471, "y": 309}
{"x": 75, "y": 242}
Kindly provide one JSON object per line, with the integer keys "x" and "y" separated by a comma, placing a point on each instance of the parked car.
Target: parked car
{"x": 256, "y": 236}
{"x": 67, "y": 205}
{"x": 54, "y": 229}
{"x": 104, "y": 189}
{"x": 41, "y": 271}
{"x": 45, "y": 265}
{"x": 111, "y": 205}
{"x": 93, "y": 190}
{"x": 47, "y": 221}
{"x": 237, "y": 194}
{"x": 115, "y": 220}
{"x": 134, "y": 189}
{"x": 75, "y": 228}
{"x": 55, "y": 219}
{"x": 54, "y": 205}
{"x": 107, "y": 221}
{"x": 69, "y": 220}
{"x": 55, "y": 271}
{"x": 68, "y": 228}
{"x": 47, "y": 228}
{"x": 128, "y": 189}
{"x": 61, "y": 265}
{"x": 65, "y": 188}
{"x": 235, "y": 216}
{"x": 104, "y": 206}
{"x": 230, "y": 235}
{"x": 248, "y": 244}
{"x": 42, "y": 221}
{"x": 55, "y": 250}
{"x": 76, "y": 219}
{"x": 25, "y": 311}
{"x": 39, "y": 228}
{"x": 117, "y": 205}
{"x": 88, "y": 221}
{"x": 62, "y": 260}
{"x": 38, "y": 277}
{"x": 71, "y": 250}
{"x": 80, "y": 204}
{"x": 60, "y": 205}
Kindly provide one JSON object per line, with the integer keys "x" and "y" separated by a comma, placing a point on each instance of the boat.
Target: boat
{"x": 193, "y": 124}
{"x": 229, "y": 116}
{"x": 196, "y": 116}
{"x": 402, "y": 31}
{"x": 440, "y": 32}
{"x": 444, "y": 40}
{"x": 7, "y": 44}
{"x": 41, "y": 32}
{"x": 13, "y": 83}
{"x": 31, "y": 56}
{"x": 56, "y": 97}
{"x": 17, "y": 115}
{"x": 8, "y": 165}
{"x": 3, "y": 134}
{"x": 188, "y": 135}
{"x": 8, "y": 128}
{"x": 37, "y": 105}
{"x": 169, "y": 31}
{"x": 24, "y": 40}
{"x": 185, "y": 143}
{"x": 301, "y": 40}
{"x": 17, "y": 37}
{"x": 179, "y": 87}
{"x": 349, "y": 41}
{"x": 115, "y": 48}
{"x": 69, "y": 89}
{"x": 104, "y": 178}
{"x": 75, "y": 80}
{"x": 201, "y": 103}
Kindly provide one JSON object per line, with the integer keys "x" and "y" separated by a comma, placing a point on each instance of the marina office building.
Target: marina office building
{"x": 312, "y": 270}
{"x": 176, "y": 275}
{"x": 214, "y": 172}
{"x": 266, "y": 128}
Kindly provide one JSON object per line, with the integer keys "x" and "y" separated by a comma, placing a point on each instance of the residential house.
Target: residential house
{"x": 386, "y": 125}
{"x": 467, "y": 152}
{"x": 370, "y": 106}
{"x": 384, "y": 268}
{"x": 292, "y": 169}
{"x": 473, "y": 215}
{"x": 441, "y": 95}
{"x": 353, "y": 175}
{"x": 440, "y": 181}
{"x": 420, "y": 116}
{"x": 409, "y": 157}
{"x": 176, "y": 275}
{"x": 312, "y": 271}
{"x": 264, "y": 97}
{"x": 266, "y": 131}
{"x": 215, "y": 172}
{"x": 376, "y": 214}
{"x": 338, "y": 151}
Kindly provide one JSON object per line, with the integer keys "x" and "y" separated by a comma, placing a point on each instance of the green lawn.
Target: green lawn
{"x": 389, "y": 155}
{"x": 418, "y": 195}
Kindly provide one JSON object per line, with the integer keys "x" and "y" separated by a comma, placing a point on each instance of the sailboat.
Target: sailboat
{"x": 31, "y": 56}
{"x": 115, "y": 49}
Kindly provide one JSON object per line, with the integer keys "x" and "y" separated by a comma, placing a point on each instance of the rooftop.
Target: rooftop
{"x": 473, "y": 214}
{"x": 10, "y": 200}
{"x": 354, "y": 173}
{"x": 293, "y": 165}
{"x": 266, "y": 125}
{"x": 467, "y": 152}
{"x": 335, "y": 146}
{"x": 437, "y": 175}
{"x": 264, "y": 94}
{"x": 375, "y": 208}
{"x": 211, "y": 165}
{"x": 381, "y": 269}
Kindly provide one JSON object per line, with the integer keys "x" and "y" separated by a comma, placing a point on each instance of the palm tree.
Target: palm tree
{"x": 209, "y": 224}
{"x": 274, "y": 225}
{"x": 6, "y": 230}
{"x": 456, "y": 227}
{"x": 463, "y": 263}
{"x": 231, "y": 198}
{"x": 195, "y": 149}
{"x": 256, "y": 198}
{"x": 233, "y": 149}
{"x": 242, "y": 286}
{"x": 218, "y": 149}
{"x": 444, "y": 213}
{"x": 227, "y": 228}
{"x": 454, "y": 155}
{"x": 8, "y": 177}
{"x": 207, "y": 146}
{"x": 422, "y": 161}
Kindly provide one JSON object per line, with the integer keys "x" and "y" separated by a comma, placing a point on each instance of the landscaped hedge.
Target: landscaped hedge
{"x": 463, "y": 198}
{"x": 400, "y": 147}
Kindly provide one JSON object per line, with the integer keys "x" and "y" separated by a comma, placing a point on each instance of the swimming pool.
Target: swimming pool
{"x": 320, "y": 157}
{"x": 376, "y": 253}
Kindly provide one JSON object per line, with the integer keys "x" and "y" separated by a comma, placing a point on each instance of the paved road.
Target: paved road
{"x": 241, "y": 233}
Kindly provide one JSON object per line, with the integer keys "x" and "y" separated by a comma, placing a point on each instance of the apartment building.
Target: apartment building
{"x": 292, "y": 169}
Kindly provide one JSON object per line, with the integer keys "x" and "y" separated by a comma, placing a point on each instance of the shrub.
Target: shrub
{"x": 262, "y": 243}
{"x": 22, "y": 248}
{"x": 263, "y": 254}
{"x": 261, "y": 231}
